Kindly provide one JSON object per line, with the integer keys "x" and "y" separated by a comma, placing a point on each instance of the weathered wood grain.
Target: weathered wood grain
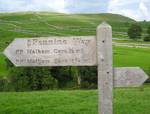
{"x": 105, "y": 70}
{"x": 53, "y": 51}
{"x": 129, "y": 77}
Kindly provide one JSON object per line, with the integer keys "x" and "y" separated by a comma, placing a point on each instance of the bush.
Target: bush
{"x": 64, "y": 76}
{"x": 135, "y": 32}
{"x": 28, "y": 79}
{"x": 44, "y": 78}
{"x": 147, "y": 38}
{"x": 148, "y": 31}
{"x": 5, "y": 85}
{"x": 88, "y": 77}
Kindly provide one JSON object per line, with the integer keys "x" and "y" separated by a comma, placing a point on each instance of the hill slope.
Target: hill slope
{"x": 33, "y": 24}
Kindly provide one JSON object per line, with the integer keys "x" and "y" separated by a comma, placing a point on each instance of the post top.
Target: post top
{"x": 104, "y": 25}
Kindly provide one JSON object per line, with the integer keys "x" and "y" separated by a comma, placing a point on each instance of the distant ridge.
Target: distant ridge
{"x": 37, "y": 24}
{"x": 104, "y": 15}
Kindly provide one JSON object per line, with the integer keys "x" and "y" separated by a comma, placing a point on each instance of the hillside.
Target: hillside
{"x": 33, "y": 24}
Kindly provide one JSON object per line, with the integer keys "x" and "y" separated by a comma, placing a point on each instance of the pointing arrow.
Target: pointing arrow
{"x": 129, "y": 77}
{"x": 53, "y": 51}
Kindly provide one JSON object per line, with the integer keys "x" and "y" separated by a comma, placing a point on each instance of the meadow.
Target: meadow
{"x": 31, "y": 24}
{"x": 132, "y": 57}
{"x": 126, "y": 101}
{"x": 37, "y": 24}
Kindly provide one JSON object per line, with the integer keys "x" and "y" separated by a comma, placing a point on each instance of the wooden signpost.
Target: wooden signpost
{"x": 129, "y": 77}
{"x": 79, "y": 51}
{"x": 105, "y": 69}
{"x": 53, "y": 51}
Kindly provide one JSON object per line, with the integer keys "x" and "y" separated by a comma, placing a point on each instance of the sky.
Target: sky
{"x": 136, "y": 9}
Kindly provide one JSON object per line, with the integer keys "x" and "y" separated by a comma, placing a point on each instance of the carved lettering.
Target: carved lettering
{"x": 53, "y": 51}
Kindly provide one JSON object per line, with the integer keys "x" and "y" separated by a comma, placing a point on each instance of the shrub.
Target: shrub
{"x": 135, "y": 32}
{"x": 28, "y": 79}
{"x": 147, "y": 38}
{"x": 88, "y": 77}
{"x": 148, "y": 31}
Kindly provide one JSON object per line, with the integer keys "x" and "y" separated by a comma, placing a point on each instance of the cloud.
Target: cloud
{"x": 65, "y": 6}
{"x": 33, "y": 5}
{"x": 144, "y": 9}
{"x": 88, "y": 6}
{"x": 135, "y": 9}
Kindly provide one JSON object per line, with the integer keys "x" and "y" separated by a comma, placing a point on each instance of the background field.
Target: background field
{"x": 32, "y": 24}
{"x": 48, "y": 24}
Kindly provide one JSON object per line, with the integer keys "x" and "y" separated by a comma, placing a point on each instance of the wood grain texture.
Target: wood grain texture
{"x": 129, "y": 77}
{"x": 53, "y": 51}
{"x": 105, "y": 70}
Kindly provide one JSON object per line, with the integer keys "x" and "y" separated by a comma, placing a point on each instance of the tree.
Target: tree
{"x": 38, "y": 78}
{"x": 147, "y": 38}
{"x": 148, "y": 31}
{"x": 64, "y": 76}
{"x": 135, "y": 31}
{"x": 88, "y": 77}
{"x": 29, "y": 78}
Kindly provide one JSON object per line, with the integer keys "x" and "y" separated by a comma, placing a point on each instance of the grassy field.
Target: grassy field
{"x": 31, "y": 24}
{"x": 132, "y": 57}
{"x": 126, "y": 101}
{"x": 14, "y": 25}
{"x": 3, "y": 68}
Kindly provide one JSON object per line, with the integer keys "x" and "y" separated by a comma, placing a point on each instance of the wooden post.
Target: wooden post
{"x": 105, "y": 68}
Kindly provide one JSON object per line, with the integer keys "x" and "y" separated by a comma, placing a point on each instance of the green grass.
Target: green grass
{"x": 131, "y": 41}
{"x": 132, "y": 57}
{"x": 126, "y": 101}
{"x": 31, "y": 24}
{"x": 3, "y": 68}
